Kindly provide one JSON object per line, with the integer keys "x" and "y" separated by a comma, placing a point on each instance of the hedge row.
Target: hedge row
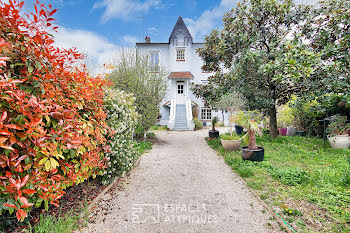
{"x": 53, "y": 127}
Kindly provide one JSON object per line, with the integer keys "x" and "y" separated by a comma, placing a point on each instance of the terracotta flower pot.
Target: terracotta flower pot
{"x": 231, "y": 145}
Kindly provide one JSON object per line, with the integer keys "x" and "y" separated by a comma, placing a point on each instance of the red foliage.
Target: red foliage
{"x": 52, "y": 122}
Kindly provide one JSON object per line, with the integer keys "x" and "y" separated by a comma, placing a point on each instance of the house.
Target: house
{"x": 179, "y": 57}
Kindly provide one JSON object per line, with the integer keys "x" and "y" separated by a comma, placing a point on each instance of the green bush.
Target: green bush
{"x": 134, "y": 75}
{"x": 197, "y": 124}
{"x": 309, "y": 112}
{"x": 150, "y": 135}
{"x": 121, "y": 118}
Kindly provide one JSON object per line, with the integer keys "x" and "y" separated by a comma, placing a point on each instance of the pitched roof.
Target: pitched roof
{"x": 180, "y": 75}
{"x": 180, "y": 28}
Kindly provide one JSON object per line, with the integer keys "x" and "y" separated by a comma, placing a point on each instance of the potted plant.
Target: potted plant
{"x": 232, "y": 102}
{"x": 213, "y": 133}
{"x": 284, "y": 120}
{"x": 230, "y": 142}
{"x": 338, "y": 133}
{"x": 252, "y": 151}
{"x": 298, "y": 117}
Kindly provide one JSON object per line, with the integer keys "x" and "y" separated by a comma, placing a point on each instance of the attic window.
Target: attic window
{"x": 180, "y": 54}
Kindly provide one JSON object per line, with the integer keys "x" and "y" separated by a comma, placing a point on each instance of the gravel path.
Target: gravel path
{"x": 182, "y": 185}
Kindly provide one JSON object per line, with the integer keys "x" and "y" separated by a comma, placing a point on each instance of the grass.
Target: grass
{"x": 63, "y": 223}
{"x": 142, "y": 146}
{"x": 303, "y": 175}
{"x": 158, "y": 127}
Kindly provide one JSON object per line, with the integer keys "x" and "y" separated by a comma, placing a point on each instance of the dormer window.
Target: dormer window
{"x": 154, "y": 61}
{"x": 180, "y": 54}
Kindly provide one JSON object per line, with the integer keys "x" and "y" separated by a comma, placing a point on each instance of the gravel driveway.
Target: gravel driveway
{"x": 182, "y": 185}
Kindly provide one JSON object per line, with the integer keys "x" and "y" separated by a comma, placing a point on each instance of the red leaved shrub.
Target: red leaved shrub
{"x": 52, "y": 122}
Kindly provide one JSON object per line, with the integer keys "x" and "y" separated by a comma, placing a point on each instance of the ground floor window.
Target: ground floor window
{"x": 205, "y": 113}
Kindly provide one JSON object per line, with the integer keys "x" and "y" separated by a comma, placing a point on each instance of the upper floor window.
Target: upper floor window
{"x": 180, "y": 54}
{"x": 154, "y": 61}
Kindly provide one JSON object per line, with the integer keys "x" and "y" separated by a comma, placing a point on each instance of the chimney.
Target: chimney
{"x": 148, "y": 40}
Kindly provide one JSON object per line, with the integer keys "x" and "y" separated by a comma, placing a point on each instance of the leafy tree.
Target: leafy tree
{"x": 327, "y": 29}
{"x": 263, "y": 52}
{"x": 133, "y": 74}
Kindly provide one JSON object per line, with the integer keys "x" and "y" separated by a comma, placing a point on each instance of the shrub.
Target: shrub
{"x": 134, "y": 75}
{"x": 310, "y": 112}
{"x": 197, "y": 124}
{"x": 121, "y": 118}
{"x": 52, "y": 122}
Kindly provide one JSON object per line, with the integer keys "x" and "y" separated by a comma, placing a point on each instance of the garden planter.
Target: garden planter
{"x": 213, "y": 133}
{"x": 231, "y": 145}
{"x": 291, "y": 131}
{"x": 239, "y": 129}
{"x": 253, "y": 155}
{"x": 282, "y": 131}
{"x": 339, "y": 142}
{"x": 300, "y": 133}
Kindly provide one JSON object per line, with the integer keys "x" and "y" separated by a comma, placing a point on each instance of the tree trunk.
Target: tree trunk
{"x": 273, "y": 122}
{"x": 252, "y": 140}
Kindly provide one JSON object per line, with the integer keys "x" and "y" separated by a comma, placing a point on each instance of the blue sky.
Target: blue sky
{"x": 101, "y": 27}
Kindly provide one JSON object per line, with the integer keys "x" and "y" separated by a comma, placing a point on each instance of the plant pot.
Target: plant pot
{"x": 282, "y": 131}
{"x": 291, "y": 131}
{"x": 340, "y": 141}
{"x": 213, "y": 133}
{"x": 231, "y": 145}
{"x": 253, "y": 155}
{"x": 238, "y": 129}
{"x": 300, "y": 133}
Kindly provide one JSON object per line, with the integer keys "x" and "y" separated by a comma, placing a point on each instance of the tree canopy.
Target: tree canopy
{"x": 133, "y": 74}
{"x": 263, "y": 50}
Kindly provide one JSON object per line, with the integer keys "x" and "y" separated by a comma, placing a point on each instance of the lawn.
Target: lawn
{"x": 302, "y": 179}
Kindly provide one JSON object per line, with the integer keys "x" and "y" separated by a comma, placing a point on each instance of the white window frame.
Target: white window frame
{"x": 154, "y": 66}
{"x": 206, "y": 113}
{"x": 180, "y": 91}
{"x": 180, "y": 54}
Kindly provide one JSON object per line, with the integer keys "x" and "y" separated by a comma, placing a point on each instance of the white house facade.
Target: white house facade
{"x": 180, "y": 59}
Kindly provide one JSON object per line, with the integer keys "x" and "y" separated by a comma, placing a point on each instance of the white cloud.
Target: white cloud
{"x": 208, "y": 20}
{"x": 130, "y": 40}
{"x": 125, "y": 9}
{"x": 153, "y": 31}
{"x": 98, "y": 49}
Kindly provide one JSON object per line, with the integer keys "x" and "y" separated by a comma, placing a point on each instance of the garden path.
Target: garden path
{"x": 181, "y": 185}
